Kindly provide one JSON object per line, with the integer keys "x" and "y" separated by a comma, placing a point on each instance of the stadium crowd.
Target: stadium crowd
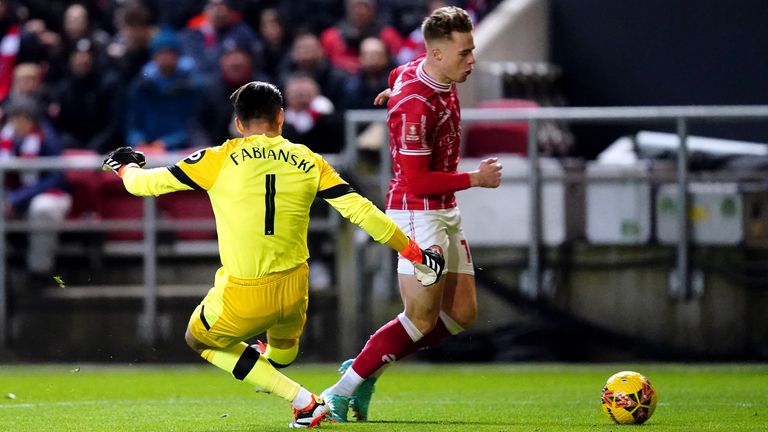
{"x": 156, "y": 75}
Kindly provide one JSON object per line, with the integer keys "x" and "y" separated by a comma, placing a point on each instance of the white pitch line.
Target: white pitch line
{"x": 111, "y": 402}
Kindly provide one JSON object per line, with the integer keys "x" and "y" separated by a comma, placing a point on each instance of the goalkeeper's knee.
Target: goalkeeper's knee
{"x": 282, "y": 357}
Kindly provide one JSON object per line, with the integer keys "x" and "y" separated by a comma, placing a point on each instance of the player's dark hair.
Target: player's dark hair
{"x": 257, "y": 100}
{"x": 444, "y": 21}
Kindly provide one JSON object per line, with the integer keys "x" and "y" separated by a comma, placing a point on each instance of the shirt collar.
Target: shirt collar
{"x": 426, "y": 79}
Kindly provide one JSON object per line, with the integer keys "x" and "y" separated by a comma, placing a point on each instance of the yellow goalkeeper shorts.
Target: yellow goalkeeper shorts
{"x": 235, "y": 309}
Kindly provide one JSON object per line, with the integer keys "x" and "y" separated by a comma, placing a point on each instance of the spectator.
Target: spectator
{"x": 28, "y": 82}
{"x": 310, "y": 117}
{"x": 373, "y": 77}
{"x": 52, "y": 48}
{"x": 221, "y": 23}
{"x": 77, "y": 26}
{"x": 39, "y": 44}
{"x": 36, "y": 196}
{"x": 235, "y": 69}
{"x": 311, "y": 15}
{"x": 163, "y": 102}
{"x": 10, "y": 40}
{"x": 129, "y": 50}
{"x": 413, "y": 46}
{"x": 307, "y": 58}
{"x": 341, "y": 43}
{"x": 175, "y": 13}
{"x": 88, "y": 103}
{"x": 276, "y": 39}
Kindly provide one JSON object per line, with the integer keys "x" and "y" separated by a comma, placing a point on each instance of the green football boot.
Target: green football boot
{"x": 361, "y": 399}
{"x": 338, "y": 404}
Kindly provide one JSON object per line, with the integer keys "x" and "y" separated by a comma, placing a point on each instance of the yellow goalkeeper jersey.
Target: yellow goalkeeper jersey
{"x": 261, "y": 189}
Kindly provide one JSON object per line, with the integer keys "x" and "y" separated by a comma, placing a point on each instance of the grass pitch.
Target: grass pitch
{"x": 410, "y": 397}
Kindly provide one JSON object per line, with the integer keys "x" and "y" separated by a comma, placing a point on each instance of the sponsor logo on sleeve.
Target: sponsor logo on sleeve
{"x": 412, "y": 132}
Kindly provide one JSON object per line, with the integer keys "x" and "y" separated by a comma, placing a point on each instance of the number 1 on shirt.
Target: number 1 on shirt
{"x": 269, "y": 198}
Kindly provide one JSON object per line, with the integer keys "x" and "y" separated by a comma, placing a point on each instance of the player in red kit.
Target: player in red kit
{"x": 424, "y": 134}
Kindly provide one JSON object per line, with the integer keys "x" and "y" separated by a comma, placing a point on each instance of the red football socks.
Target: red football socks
{"x": 386, "y": 345}
{"x": 392, "y": 342}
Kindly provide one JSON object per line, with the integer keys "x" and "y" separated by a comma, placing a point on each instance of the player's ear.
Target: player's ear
{"x": 239, "y": 126}
{"x": 280, "y": 119}
{"x": 437, "y": 53}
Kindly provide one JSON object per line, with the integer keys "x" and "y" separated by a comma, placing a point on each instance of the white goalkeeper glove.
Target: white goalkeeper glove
{"x": 428, "y": 264}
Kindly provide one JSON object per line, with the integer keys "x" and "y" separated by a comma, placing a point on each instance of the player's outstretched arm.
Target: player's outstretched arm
{"x": 428, "y": 263}
{"x": 487, "y": 174}
{"x": 127, "y": 163}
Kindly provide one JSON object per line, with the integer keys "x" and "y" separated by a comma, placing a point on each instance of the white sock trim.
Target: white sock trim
{"x": 453, "y": 327}
{"x": 347, "y": 384}
{"x": 409, "y": 327}
{"x": 302, "y": 399}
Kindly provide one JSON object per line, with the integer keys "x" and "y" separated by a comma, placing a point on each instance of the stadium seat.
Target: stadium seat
{"x": 188, "y": 205}
{"x": 486, "y": 138}
{"x": 84, "y": 187}
{"x": 117, "y": 204}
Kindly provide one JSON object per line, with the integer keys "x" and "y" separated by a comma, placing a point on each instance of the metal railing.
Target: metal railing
{"x": 349, "y": 276}
{"x": 679, "y": 116}
{"x": 149, "y": 225}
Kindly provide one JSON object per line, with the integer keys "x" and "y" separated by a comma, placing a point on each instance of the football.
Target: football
{"x": 628, "y": 398}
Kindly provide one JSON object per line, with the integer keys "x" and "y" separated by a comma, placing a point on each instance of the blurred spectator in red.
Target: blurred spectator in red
{"x": 129, "y": 50}
{"x": 413, "y": 46}
{"x": 205, "y": 36}
{"x": 10, "y": 40}
{"x": 307, "y": 58}
{"x": 87, "y": 102}
{"x": 341, "y": 43}
{"x": 373, "y": 77}
{"x": 277, "y": 41}
{"x": 163, "y": 102}
{"x": 310, "y": 117}
{"x": 235, "y": 69}
{"x": 37, "y": 196}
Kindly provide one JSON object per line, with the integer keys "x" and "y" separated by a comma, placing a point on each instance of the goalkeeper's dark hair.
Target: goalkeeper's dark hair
{"x": 442, "y": 22}
{"x": 257, "y": 100}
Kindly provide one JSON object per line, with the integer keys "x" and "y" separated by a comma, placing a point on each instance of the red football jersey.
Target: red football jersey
{"x": 424, "y": 136}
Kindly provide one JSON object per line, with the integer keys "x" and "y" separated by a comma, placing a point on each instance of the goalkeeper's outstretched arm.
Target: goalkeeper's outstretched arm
{"x": 429, "y": 263}
{"x": 127, "y": 163}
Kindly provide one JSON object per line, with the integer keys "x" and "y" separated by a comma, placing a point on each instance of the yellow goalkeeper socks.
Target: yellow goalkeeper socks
{"x": 246, "y": 364}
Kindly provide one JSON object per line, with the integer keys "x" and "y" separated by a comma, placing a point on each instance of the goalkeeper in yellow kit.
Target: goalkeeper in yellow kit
{"x": 261, "y": 187}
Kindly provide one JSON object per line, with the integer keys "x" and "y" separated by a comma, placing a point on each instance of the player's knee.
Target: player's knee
{"x": 424, "y": 324}
{"x": 282, "y": 352}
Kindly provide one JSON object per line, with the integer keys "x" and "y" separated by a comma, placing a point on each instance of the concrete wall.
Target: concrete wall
{"x": 727, "y": 320}
{"x": 517, "y": 30}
